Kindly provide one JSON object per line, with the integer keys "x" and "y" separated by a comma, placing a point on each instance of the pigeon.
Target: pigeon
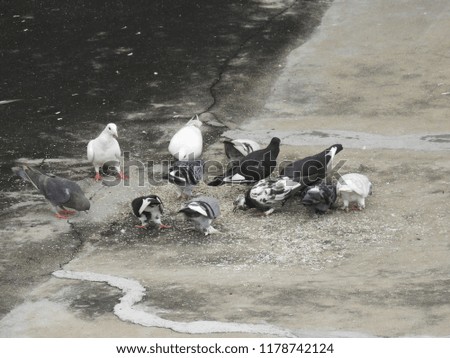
{"x": 354, "y": 187}
{"x": 235, "y": 149}
{"x": 267, "y": 194}
{"x": 149, "y": 207}
{"x": 321, "y": 197}
{"x": 105, "y": 149}
{"x": 310, "y": 170}
{"x": 60, "y": 192}
{"x": 185, "y": 175}
{"x": 252, "y": 167}
{"x": 187, "y": 142}
{"x": 201, "y": 212}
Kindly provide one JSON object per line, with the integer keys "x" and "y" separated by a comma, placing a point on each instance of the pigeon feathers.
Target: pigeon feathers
{"x": 185, "y": 175}
{"x": 253, "y": 167}
{"x": 187, "y": 142}
{"x": 321, "y": 197}
{"x": 235, "y": 149}
{"x": 310, "y": 170}
{"x": 202, "y": 211}
{"x": 105, "y": 149}
{"x": 60, "y": 192}
{"x": 354, "y": 187}
{"x": 267, "y": 194}
{"x": 149, "y": 207}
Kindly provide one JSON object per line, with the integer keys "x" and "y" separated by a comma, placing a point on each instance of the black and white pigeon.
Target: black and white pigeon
{"x": 235, "y": 149}
{"x": 253, "y": 167}
{"x": 310, "y": 170}
{"x": 354, "y": 187}
{"x": 60, "y": 192}
{"x": 105, "y": 149}
{"x": 267, "y": 194}
{"x": 202, "y": 211}
{"x": 149, "y": 207}
{"x": 321, "y": 197}
{"x": 185, "y": 175}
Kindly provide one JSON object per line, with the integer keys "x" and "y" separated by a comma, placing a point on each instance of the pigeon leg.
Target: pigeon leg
{"x": 67, "y": 212}
{"x": 268, "y": 212}
{"x": 59, "y": 216}
{"x": 345, "y": 205}
{"x": 210, "y": 230}
{"x": 97, "y": 177}
{"x": 141, "y": 226}
{"x": 361, "y": 203}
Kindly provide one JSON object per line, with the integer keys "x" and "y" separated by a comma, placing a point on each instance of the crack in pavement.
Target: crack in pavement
{"x": 235, "y": 55}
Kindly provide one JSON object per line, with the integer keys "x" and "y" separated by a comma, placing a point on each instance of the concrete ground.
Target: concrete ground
{"x": 375, "y": 77}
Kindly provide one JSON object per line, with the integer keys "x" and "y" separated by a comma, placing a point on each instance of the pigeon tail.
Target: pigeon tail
{"x": 28, "y": 174}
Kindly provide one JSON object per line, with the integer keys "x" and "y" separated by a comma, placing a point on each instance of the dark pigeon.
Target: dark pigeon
{"x": 267, "y": 194}
{"x": 60, "y": 192}
{"x": 201, "y": 212}
{"x": 185, "y": 175}
{"x": 149, "y": 207}
{"x": 321, "y": 197}
{"x": 253, "y": 167}
{"x": 310, "y": 170}
{"x": 235, "y": 149}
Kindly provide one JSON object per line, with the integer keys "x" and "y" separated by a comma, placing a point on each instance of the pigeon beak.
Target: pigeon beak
{"x": 115, "y": 135}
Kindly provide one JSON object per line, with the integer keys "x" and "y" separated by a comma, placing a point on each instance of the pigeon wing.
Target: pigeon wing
{"x": 90, "y": 151}
{"x": 55, "y": 190}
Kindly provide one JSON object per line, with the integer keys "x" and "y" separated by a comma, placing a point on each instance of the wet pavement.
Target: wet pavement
{"x": 382, "y": 271}
{"x": 68, "y": 69}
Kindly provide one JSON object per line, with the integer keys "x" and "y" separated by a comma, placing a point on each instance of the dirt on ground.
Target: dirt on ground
{"x": 382, "y": 271}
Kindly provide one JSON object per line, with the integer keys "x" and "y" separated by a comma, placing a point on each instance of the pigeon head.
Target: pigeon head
{"x": 111, "y": 129}
{"x": 336, "y": 148}
{"x": 275, "y": 141}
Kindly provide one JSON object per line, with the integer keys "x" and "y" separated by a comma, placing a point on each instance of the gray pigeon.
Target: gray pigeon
{"x": 354, "y": 187}
{"x": 321, "y": 197}
{"x": 267, "y": 194}
{"x": 185, "y": 175}
{"x": 201, "y": 212}
{"x": 61, "y": 193}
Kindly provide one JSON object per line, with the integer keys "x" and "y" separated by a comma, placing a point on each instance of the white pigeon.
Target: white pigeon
{"x": 187, "y": 142}
{"x": 105, "y": 149}
{"x": 353, "y": 187}
{"x": 238, "y": 148}
{"x": 201, "y": 212}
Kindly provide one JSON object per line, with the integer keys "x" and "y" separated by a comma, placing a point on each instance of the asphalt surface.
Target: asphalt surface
{"x": 367, "y": 77}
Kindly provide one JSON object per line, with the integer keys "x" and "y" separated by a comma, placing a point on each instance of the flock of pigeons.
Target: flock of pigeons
{"x": 248, "y": 164}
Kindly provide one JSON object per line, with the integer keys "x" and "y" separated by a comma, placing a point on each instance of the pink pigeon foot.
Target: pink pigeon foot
{"x": 97, "y": 177}
{"x": 67, "y": 212}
